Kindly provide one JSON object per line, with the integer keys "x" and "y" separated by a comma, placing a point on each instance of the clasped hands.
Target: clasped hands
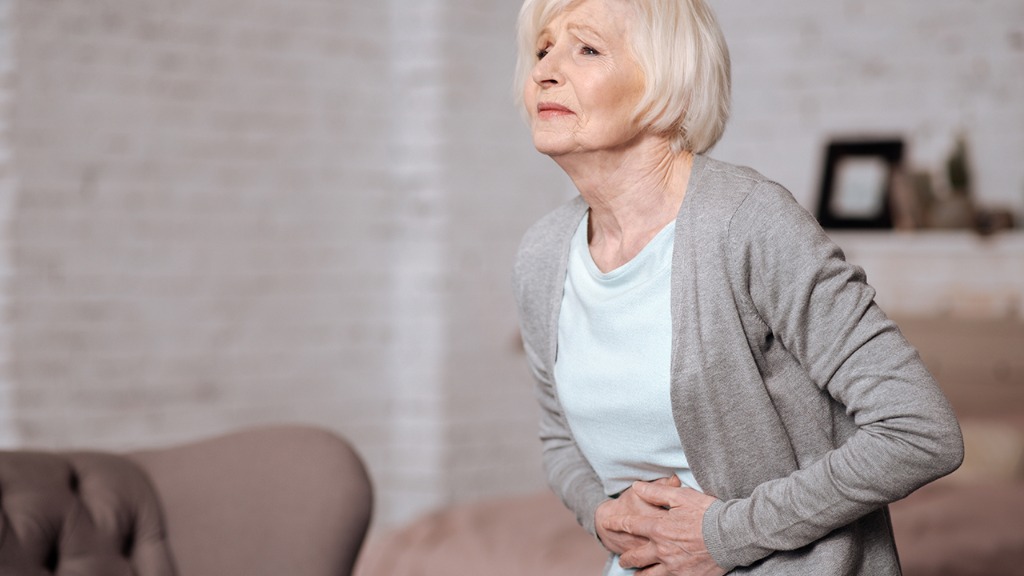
{"x": 657, "y": 528}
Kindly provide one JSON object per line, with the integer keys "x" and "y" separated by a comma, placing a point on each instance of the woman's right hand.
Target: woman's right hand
{"x": 628, "y": 503}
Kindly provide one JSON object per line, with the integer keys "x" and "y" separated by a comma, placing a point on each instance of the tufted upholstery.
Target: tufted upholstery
{"x": 79, "y": 514}
{"x": 269, "y": 501}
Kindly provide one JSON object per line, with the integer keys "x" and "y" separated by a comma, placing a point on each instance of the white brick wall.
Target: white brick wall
{"x": 418, "y": 299}
{"x": 8, "y": 436}
{"x": 230, "y": 212}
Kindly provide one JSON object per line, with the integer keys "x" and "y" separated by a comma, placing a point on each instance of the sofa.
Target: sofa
{"x": 265, "y": 501}
{"x": 970, "y": 523}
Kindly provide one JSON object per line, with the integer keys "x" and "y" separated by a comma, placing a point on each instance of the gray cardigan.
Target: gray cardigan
{"x": 800, "y": 406}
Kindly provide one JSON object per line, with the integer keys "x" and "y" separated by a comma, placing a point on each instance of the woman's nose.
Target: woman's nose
{"x": 548, "y": 70}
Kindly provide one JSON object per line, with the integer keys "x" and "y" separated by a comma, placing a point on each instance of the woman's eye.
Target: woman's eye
{"x": 542, "y": 53}
{"x": 588, "y": 51}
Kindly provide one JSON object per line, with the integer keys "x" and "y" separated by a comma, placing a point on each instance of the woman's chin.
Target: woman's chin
{"x": 552, "y": 147}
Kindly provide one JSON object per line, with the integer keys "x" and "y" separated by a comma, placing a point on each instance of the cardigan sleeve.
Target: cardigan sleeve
{"x": 535, "y": 282}
{"x": 821, "y": 309}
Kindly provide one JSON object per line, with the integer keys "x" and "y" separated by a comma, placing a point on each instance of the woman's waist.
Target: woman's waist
{"x": 616, "y": 481}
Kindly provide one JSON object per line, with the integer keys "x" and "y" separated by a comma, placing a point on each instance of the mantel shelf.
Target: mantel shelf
{"x": 929, "y": 240}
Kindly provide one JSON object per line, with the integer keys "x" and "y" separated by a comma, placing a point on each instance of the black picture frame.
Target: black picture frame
{"x": 857, "y": 183}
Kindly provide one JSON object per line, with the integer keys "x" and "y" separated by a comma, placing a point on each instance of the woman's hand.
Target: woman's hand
{"x": 672, "y": 540}
{"x": 627, "y": 504}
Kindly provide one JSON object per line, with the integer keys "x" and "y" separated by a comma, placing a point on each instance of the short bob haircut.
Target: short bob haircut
{"x": 682, "y": 54}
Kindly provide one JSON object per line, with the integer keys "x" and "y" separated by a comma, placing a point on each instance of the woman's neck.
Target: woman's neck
{"x": 632, "y": 194}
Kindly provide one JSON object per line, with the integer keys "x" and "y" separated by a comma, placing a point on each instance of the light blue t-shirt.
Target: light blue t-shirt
{"x": 613, "y": 366}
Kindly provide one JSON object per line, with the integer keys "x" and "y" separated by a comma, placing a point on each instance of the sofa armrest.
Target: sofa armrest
{"x": 267, "y": 501}
{"x": 84, "y": 513}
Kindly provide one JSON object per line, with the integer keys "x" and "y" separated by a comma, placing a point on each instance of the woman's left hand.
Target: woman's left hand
{"x": 676, "y": 540}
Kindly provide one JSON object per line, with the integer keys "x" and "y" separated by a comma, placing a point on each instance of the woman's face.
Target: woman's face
{"x": 586, "y": 83}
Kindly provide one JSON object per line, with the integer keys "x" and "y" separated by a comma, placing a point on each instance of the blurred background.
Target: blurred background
{"x": 221, "y": 213}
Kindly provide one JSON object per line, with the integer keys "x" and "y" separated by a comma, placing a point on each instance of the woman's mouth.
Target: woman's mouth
{"x": 551, "y": 110}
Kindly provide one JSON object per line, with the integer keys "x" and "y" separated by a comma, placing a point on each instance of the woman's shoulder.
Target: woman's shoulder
{"x": 739, "y": 211}
{"x": 727, "y": 195}
{"x": 733, "y": 185}
{"x": 722, "y": 172}
{"x": 547, "y": 234}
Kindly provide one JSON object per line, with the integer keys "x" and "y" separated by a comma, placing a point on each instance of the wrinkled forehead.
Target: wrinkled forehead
{"x": 547, "y": 11}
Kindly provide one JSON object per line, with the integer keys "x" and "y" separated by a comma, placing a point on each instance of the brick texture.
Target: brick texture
{"x": 232, "y": 212}
{"x": 8, "y": 436}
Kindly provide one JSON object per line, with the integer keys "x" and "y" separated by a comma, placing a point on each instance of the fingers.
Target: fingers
{"x": 672, "y": 480}
{"x": 619, "y": 542}
{"x": 639, "y": 557}
{"x": 661, "y": 494}
{"x": 642, "y": 526}
{"x": 629, "y": 503}
{"x": 654, "y": 570}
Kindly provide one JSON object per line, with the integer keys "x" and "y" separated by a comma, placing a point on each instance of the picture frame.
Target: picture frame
{"x": 858, "y": 182}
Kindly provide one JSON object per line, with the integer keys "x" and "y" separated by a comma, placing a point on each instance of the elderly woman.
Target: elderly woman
{"x": 719, "y": 390}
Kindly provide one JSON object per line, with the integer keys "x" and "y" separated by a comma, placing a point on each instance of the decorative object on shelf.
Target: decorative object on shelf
{"x": 858, "y": 183}
{"x": 990, "y": 221}
{"x": 958, "y": 168}
{"x": 914, "y": 199}
{"x": 955, "y": 208}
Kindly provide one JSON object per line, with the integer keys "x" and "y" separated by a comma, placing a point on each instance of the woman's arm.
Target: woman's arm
{"x": 820, "y": 308}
